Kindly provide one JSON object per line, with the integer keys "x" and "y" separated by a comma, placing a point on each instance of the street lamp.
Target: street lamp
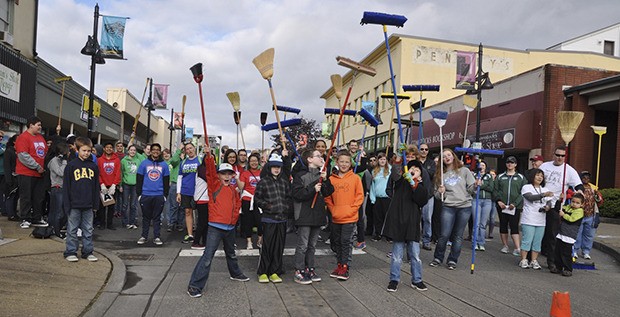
{"x": 482, "y": 83}
{"x": 92, "y": 49}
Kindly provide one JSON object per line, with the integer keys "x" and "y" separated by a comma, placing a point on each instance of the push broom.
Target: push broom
{"x": 357, "y": 68}
{"x": 369, "y": 119}
{"x": 234, "y": 99}
{"x": 135, "y": 121}
{"x": 388, "y": 96}
{"x": 421, "y": 89}
{"x": 281, "y": 125}
{"x": 62, "y": 80}
{"x": 264, "y": 64}
{"x": 398, "y": 21}
{"x": 198, "y": 76}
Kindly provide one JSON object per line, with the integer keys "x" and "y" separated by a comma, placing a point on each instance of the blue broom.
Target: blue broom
{"x": 420, "y": 88}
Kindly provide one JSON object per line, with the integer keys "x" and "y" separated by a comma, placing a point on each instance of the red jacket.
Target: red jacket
{"x": 109, "y": 170}
{"x": 34, "y": 145}
{"x": 224, "y": 201}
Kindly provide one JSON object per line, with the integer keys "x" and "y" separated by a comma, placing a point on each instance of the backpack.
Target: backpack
{"x": 42, "y": 232}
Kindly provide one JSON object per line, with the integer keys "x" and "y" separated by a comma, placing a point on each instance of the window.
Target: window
{"x": 609, "y": 48}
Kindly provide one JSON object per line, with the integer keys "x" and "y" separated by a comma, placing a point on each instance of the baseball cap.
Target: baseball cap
{"x": 537, "y": 158}
{"x": 511, "y": 159}
{"x": 585, "y": 173}
{"x": 275, "y": 159}
{"x": 225, "y": 167}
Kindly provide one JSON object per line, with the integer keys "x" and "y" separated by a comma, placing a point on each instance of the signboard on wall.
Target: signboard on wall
{"x": 9, "y": 83}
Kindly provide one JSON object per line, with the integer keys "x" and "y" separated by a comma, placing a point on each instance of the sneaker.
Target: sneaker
{"x": 188, "y": 239}
{"x": 535, "y": 265}
{"x": 263, "y": 278}
{"x": 193, "y": 292}
{"x": 128, "y": 226}
{"x": 389, "y": 254}
{"x": 249, "y": 247}
{"x": 240, "y": 278}
{"x": 554, "y": 270}
{"x": 420, "y": 286}
{"x": 344, "y": 273}
{"x": 25, "y": 224}
{"x": 41, "y": 223}
{"x": 158, "y": 241}
{"x": 376, "y": 238}
{"x": 449, "y": 243}
{"x": 72, "y": 258}
{"x": 300, "y": 277}
{"x": 180, "y": 228}
{"x": 360, "y": 245}
{"x": 392, "y": 286}
{"x": 313, "y": 276}
{"x": 477, "y": 247}
{"x": 427, "y": 246}
{"x": 523, "y": 264}
{"x": 567, "y": 273}
{"x": 451, "y": 265}
{"x": 134, "y": 227}
{"x": 197, "y": 246}
{"x": 274, "y": 278}
{"x": 336, "y": 271}
{"x": 587, "y": 256}
{"x": 481, "y": 248}
{"x": 435, "y": 263}
{"x": 142, "y": 240}
{"x": 516, "y": 252}
{"x": 504, "y": 249}
{"x": 91, "y": 258}
{"x": 328, "y": 242}
{"x": 169, "y": 229}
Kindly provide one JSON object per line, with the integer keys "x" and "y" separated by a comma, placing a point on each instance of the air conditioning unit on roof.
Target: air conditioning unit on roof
{"x": 6, "y": 37}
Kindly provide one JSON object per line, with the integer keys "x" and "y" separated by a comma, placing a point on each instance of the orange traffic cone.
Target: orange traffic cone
{"x": 560, "y": 304}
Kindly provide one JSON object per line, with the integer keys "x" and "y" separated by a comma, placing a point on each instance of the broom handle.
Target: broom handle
{"x": 564, "y": 175}
{"x": 358, "y": 157}
{"x": 241, "y": 131}
{"x": 331, "y": 145}
{"x": 393, "y": 81}
{"x": 474, "y": 234}
{"x": 275, "y": 108}
{"x": 441, "y": 157}
{"x": 62, "y": 95}
{"x": 135, "y": 121}
{"x": 390, "y": 133}
{"x": 204, "y": 119}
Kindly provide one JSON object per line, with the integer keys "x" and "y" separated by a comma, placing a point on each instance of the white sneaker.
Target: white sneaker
{"x": 535, "y": 265}
{"x": 25, "y": 224}
{"x": 249, "y": 247}
{"x": 523, "y": 264}
{"x": 516, "y": 252}
{"x": 72, "y": 258}
{"x": 92, "y": 258}
{"x": 504, "y": 249}
{"x": 142, "y": 240}
{"x": 587, "y": 257}
{"x": 158, "y": 241}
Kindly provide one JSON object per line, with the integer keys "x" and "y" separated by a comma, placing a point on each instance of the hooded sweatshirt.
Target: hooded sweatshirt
{"x": 224, "y": 201}
{"x": 109, "y": 170}
{"x": 129, "y": 169}
{"x": 303, "y": 196}
{"x": 81, "y": 185}
{"x": 347, "y": 198}
{"x": 157, "y": 180}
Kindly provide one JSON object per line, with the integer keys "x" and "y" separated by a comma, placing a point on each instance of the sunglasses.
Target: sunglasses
{"x": 559, "y": 155}
{"x": 426, "y": 150}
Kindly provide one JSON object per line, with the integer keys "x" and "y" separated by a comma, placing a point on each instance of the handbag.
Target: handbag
{"x": 42, "y": 232}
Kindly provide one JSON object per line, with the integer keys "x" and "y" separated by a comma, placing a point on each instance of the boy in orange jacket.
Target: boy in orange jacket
{"x": 224, "y": 205}
{"x": 343, "y": 205}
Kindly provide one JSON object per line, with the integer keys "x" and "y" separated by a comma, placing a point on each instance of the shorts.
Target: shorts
{"x": 187, "y": 202}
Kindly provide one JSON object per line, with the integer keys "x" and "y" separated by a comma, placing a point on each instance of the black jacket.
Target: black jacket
{"x": 273, "y": 195}
{"x": 404, "y": 215}
{"x": 10, "y": 160}
{"x": 81, "y": 185}
{"x": 303, "y": 195}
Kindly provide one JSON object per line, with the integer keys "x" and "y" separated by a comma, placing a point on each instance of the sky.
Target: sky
{"x": 164, "y": 38}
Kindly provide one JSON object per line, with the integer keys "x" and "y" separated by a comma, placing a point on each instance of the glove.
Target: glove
{"x": 165, "y": 199}
{"x": 408, "y": 178}
{"x": 104, "y": 190}
{"x": 112, "y": 190}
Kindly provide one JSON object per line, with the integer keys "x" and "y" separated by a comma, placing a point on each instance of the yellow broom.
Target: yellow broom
{"x": 235, "y": 101}
{"x": 264, "y": 64}
{"x": 568, "y": 122}
{"x": 135, "y": 121}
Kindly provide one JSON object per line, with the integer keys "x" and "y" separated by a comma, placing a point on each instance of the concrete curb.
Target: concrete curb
{"x": 113, "y": 287}
{"x": 607, "y": 250}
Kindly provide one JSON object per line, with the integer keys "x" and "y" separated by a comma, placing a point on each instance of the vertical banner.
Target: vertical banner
{"x": 189, "y": 133}
{"x": 112, "y": 35}
{"x": 178, "y": 120}
{"x": 465, "y": 70}
{"x": 160, "y": 96}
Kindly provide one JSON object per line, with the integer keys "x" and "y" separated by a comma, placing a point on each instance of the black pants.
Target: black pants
{"x": 105, "y": 215}
{"x": 563, "y": 255}
{"x": 152, "y": 207}
{"x": 200, "y": 235}
{"x": 548, "y": 243}
{"x": 436, "y": 220}
{"x": 31, "y": 196}
{"x": 341, "y": 241}
{"x": 381, "y": 206}
{"x": 370, "y": 218}
{"x": 250, "y": 219}
{"x": 272, "y": 251}
{"x": 360, "y": 224}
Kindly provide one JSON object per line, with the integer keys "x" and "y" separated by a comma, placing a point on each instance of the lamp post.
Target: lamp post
{"x": 92, "y": 49}
{"x": 171, "y": 128}
{"x": 482, "y": 83}
{"x": 149, "y": 107}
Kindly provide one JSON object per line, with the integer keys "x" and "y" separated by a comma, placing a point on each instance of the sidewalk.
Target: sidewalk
{"x": 36, "y": 280}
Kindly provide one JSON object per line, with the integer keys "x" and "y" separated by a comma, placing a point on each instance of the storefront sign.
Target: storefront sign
{"x": 497, "y": 140}
{"x": 9, "y": 83}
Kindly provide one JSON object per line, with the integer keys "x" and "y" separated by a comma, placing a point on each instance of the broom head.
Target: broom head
{"x": 337, "y": 84}
{"x": 264, "y": 63}
{"x": 234, "y": 100}
{"x": 283, "y": 123}
{"x": 197, "y": 72}
{"x": 62, "y": 79}
{"x": 600, "y": 130}
{"x": 289, "y": 109}
{"x": 568, "y": 122}
{"x": 237, "y": 117}
{"x": 389, "y": 95}
{"x": 383, "y": 19}
{"x": 421, "y": 87}
{"x": 349, "y": 63}
{"x": 369, "y": 117}
{"x": 263, "y": 118}
{"x": 439, "y": 117}
{"x": 346, "y": 112}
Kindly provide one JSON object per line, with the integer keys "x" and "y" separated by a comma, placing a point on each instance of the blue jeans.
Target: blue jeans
{"x": 453, "y": 221}
{"x": 585, "y": 237}
{"x": 427, "y": 225}
{"x": 413, "y": 249}
{"x": 57, "y": 212}
{"x": 175, "y": 216}
{"x": 203, "y": 267}
{"x": 83, "y": 219}
{"x": 151, "y": 207}
{"x": 129, "y": 198}
{"x": 484, "y": 212}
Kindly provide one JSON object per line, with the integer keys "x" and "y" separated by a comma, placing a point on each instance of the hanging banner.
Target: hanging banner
{"x": 160, "y": 96}
{"x": 178, "y": 120}
{"x": 189, "y": 133}
{"x": 465, "y": 70}
{"x": 112, "y": 37}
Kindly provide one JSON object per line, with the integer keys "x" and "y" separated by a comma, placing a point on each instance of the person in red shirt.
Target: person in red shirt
{"x": 250, "y": 216}
{"x": 31, "y": 149}
{"x": 109, "y": 179}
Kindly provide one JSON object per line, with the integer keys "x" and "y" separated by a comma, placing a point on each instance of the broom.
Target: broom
{"x": 263, "y": 120}
{"x": 264, "y": 64}
{"x": 440, "y": 118}
{"x": 62, "y": 80}
{"x": 470, "y": 105}
{"x": 336, "y": 80}
{"x": 198, "y": 76}
{"x": 236, "y": 104}
{"x": 420, "y": 88}
{"x": 401, "y": 97}
{"x": 568, "y": 122}
{"x": 135, "y": 121}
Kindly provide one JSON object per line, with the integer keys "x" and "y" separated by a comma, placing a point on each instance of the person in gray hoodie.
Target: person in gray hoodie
{"x": 56, "y": 166}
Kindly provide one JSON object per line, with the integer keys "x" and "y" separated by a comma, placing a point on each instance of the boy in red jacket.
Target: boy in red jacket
{"x": 109, "y": 178}
{"x": 224, "y": 205}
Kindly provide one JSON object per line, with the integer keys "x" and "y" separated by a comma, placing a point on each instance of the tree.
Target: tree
{"x": 308, "y": 127}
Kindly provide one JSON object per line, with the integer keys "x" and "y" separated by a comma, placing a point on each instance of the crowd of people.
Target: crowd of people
{"x": 75, "y": 187}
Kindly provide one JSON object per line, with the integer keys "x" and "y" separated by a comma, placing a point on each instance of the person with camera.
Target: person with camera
{"x": 536, "y": 203}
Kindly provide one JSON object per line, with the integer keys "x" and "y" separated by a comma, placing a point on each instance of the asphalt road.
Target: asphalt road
{"x": 157, "y": 279}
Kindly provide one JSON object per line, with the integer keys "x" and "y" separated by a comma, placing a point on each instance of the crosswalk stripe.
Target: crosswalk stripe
{"x": 243, "y": 252}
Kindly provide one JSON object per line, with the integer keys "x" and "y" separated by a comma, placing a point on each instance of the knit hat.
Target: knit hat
{"x": 275, "y": 159}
